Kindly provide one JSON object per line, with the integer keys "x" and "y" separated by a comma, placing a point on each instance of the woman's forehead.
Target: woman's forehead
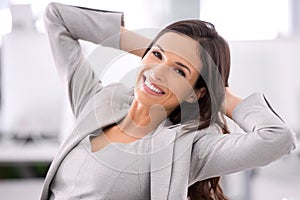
{"x": 180, "y": 45}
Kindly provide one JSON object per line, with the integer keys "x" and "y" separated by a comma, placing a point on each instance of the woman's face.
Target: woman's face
{"x": 169, "y": 71}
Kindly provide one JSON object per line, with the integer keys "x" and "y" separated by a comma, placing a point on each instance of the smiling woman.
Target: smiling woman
{"x": 164, "y": 75}
{"x": 165, "y": 139}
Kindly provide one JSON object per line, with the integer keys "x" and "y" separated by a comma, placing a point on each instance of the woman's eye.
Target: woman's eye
{"x": 157, "y": 54}
{"x": 180, "y": 72}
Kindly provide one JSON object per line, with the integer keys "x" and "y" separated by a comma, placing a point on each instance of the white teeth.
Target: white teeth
{"x": 152, "y": 87}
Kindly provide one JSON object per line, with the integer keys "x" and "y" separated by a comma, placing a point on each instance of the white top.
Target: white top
{"x": 107, "y": 178}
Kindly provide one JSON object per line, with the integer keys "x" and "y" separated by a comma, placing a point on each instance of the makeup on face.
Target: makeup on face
{"x": 182, "y": 46}
{"x": 168, "y": 70}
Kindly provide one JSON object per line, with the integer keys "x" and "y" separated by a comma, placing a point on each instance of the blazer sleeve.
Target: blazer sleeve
{"x": 267, "y": 138}
{"x": 65, "y": 25}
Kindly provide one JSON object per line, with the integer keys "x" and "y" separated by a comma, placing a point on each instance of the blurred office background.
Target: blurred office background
{"x": 264, "y": 37}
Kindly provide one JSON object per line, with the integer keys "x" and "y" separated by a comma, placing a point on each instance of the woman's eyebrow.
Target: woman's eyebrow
{"x": 184, "y": 66}
{"x": 160, "y": 48}
{"x": 178, "y": 63}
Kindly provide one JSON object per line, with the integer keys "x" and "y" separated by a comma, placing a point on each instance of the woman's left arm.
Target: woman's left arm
{"x": 267, "y": 139}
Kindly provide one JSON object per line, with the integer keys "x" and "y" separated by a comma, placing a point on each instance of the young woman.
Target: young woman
{"x": 165, "y": 139}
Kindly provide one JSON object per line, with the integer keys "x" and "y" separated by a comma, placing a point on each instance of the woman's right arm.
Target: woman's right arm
{"x": 133, "y": 42}
{"x": 65, "y": 25}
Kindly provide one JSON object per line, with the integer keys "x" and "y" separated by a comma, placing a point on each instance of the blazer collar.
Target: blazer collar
{"x": 162, "y": 147}
{"x": 99, "y": 112}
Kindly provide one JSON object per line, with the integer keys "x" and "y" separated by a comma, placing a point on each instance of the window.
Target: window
{"x": 247, "y": 20}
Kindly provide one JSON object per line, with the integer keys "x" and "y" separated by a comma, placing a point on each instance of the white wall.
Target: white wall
{"x": 271, "y": 67}
{"x": 31, "y": 91}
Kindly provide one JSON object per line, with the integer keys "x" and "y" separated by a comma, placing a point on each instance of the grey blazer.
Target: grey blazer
{"x": 177, "y": 161}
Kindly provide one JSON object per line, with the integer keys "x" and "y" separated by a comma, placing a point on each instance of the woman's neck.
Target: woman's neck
{"x": 141, "y": 119}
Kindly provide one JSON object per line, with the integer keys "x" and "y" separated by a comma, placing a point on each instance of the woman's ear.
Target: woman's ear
{"x": 197, "y": 94}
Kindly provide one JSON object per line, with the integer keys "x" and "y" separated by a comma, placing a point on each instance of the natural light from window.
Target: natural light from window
{"x": 247, "y": 20}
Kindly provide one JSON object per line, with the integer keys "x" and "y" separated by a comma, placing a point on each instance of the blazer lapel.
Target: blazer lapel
{"x": 161, "y": 163}
{"x": 107, "y": 107}
{"x": 98, "y": 113}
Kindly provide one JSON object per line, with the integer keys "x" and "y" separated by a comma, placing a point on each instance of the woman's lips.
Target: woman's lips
{"x": 152, "y": 88}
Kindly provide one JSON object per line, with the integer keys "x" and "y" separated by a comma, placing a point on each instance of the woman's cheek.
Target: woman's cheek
{"x": 180, "y": 85}
{"x": 179, "y": 94}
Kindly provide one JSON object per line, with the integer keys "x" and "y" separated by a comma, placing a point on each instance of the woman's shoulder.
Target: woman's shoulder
{"x": 112, "y": 95}
{"x": 115, "y": 90}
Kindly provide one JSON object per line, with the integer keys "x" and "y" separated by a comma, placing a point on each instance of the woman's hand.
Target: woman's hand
{"x": 231, "y": 101}
{"x": 132, "y": 42}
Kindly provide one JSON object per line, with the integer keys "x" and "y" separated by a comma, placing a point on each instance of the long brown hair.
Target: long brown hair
{"x": 215, "y": 57}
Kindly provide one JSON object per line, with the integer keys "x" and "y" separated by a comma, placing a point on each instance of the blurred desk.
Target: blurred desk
{"x": 25, "y": 189}
{"x": 16, "y": 152}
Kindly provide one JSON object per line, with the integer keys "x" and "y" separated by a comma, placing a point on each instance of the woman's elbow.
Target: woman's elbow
{"x": 290, "y": 139}
{"x": 284, "y": 141}
{"x": 51, "y": 13}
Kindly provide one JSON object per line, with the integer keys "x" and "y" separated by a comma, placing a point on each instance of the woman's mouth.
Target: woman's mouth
{"x": 152, "y": 88}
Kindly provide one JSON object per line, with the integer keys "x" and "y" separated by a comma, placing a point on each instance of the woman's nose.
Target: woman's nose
{"x": 159, "y": 72}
